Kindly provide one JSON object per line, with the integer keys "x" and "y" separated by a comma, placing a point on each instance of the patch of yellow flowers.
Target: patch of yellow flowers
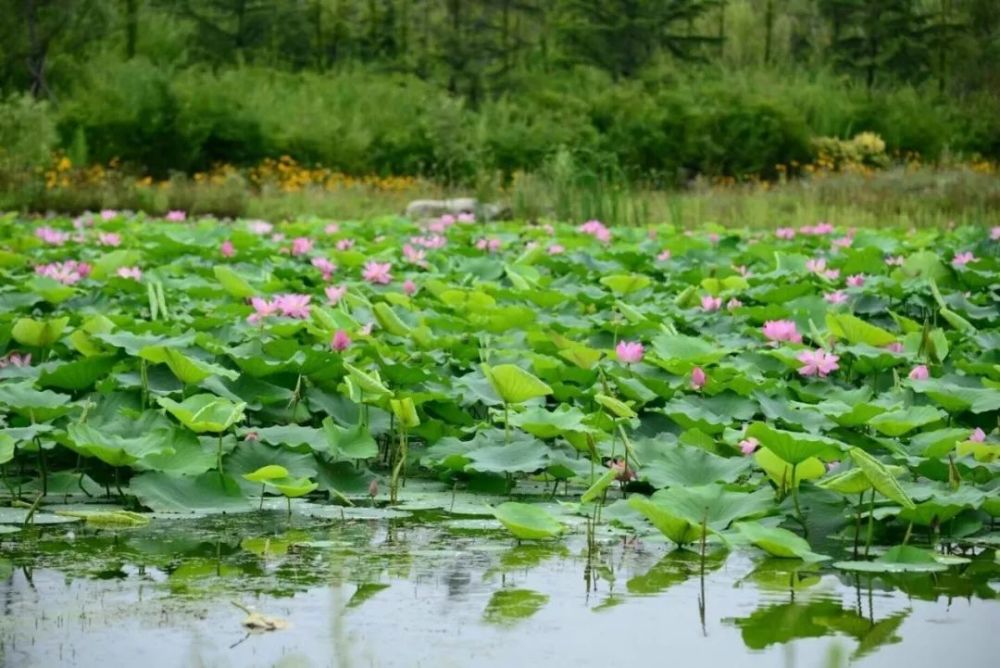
{"x": 283, "y": 174}
{"x": 863, "y": 154}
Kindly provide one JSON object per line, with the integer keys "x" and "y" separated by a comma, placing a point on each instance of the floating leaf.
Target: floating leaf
{"x": 209, "y": 492}
{"x": 900, "y": 559}
{"x": 526, "y": 521}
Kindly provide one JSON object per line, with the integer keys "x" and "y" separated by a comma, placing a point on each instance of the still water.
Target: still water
{"x": 427, "y": 590}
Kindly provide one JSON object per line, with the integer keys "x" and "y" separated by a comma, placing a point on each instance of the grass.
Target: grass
{"x": 898, "y": 196}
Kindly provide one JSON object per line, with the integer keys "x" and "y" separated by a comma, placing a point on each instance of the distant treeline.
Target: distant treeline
{"x": 654, "y": 90}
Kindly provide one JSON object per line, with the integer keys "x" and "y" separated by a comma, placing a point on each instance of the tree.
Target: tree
{"x": 621, "y": 36}
{"x": 886, "y": 38}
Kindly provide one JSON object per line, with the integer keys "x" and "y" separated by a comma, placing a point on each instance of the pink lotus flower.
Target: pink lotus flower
{"x": 227, "y": 249}
{"x": 698, "y": 378}
{"x": 843, "y": 242}
{"x": 82, "y": 222}
{"x": 415, "y": 255}
{"x": 919, "y": 372}
{"x": 629, "y": 352}
{"x": 447, "y": 220}
{"x": 664, "y": 255}
{"x": 331, "y": 228}
{"x": 816, "y": 265}
{"x": 108, "y": 214}
{"x": 340, "y": 341}
{"x": 67, "y": 273}
{"x": 262, "y": 309}
{"x": 856, "y": 281}
{"x": 995, "y": 233}
{"x": 134, "y": 273}
{"x": 377, "y": 272}
{"x": 781, "y": 330}
{"x": 409, "y": 287}
{"x": 52, "y": 236}
{"x": 277, "y": 237}
{"x": 896, "y": 261}
{"x": 733, "y": 304}
{"x": 430, "y": 241}
{"x": 251, "y": 437}
{"x": 962, "y": 259}
{"x": 549, "y": 229}
{"x": 466, "y": 217}
{"x": 489, "y": 245}
{"x": 894, "y": 347}
{"x": 293, "y": 305}
{"x": 749, "y": 445}
{"x": 785, "y": 233}
{"x": 260, "y": 227}
{"x": 15, "y": 359}
{"x": 623, "y": 472}
{"x": 373, "y": 488}
{"x": 437, "y": 227}
{"x": 176, "y": 216}
{"x": 301, "y": 245}
{"x": 817, "y": 362}
{"x": 345, "y": 244}
{"x": 710, "y": 303}
{"x": 713, "y": 238}
{"x": 334, "y": 293}
{"x": 977, "y": 435}
{"x": 817, "y": 229}
{"x": 596, "y": 229}
{"x": 325, "y": 266}
{"x": 109, "y": 239}
{"x": 832, "y": 465}
{"x": 556, "y": 249}
{"x": 837, "y": 297}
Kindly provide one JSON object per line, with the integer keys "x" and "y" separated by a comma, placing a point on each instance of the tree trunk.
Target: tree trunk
{"x": 768, "y": 30}
{"x": 131, "y": 27}
{"x": 37, "y": 51}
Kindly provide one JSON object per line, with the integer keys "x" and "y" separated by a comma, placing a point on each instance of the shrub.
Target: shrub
{"x": 27, "y": 138}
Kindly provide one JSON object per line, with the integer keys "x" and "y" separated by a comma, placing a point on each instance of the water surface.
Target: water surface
{"x": 431, "y": 591}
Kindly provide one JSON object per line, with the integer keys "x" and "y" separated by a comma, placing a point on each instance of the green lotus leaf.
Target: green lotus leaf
{"x": 204, "y": 413}
{"x": 513, "y": 384}
{"x": 527, "y": 521}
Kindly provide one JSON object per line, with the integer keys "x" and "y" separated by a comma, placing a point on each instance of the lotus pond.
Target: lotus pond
{"x": 444, "y": 442}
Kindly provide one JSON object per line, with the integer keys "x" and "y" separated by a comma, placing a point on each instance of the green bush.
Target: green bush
{"x": 27, "y": 138}
{"x": 128, "y": 110}
{"x": 662, "y": 128}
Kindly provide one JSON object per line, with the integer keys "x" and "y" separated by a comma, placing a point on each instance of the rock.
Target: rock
{"x": 422, "y": 209}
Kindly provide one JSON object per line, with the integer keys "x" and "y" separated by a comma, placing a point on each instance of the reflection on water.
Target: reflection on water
{"x": 417, "y": 592}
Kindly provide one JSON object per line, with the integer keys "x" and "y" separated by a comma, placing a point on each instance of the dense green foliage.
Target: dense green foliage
{"x": 732, "y": 381}
{"x": 657, "y": 90}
